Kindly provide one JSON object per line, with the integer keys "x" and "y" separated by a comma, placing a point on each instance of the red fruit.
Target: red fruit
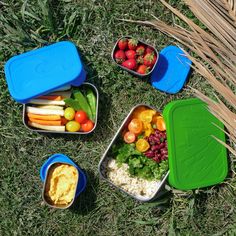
{"x": 142, "y": 69}
{"x": 130, "y": 64}
{"x": 149, "y": 50}
{"x": 87, "y": 126}
{"x": 119, "y": 56}
{"x": 132, "y": 44}
{"x": 140, "y": 59}
{"x": 149, "y": 59}
{"x": 122, "y": 44}
{"x": 81, "y": 117}
{"x": 140, "y": 50}
{"x": 130, "y": 54}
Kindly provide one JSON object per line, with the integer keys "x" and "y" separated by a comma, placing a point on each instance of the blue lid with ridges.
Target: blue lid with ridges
{"x": 171, "y": 71}
{"x": 43, "y": 70}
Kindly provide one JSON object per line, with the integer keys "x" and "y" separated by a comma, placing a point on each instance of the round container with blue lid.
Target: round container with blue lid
{"x": 58, "y": 159}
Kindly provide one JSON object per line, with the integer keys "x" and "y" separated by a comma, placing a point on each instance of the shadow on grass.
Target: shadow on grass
{"x": 86, "y": 201}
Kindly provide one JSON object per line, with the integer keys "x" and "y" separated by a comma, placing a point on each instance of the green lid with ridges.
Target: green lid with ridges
{"x": 196, "y": 159}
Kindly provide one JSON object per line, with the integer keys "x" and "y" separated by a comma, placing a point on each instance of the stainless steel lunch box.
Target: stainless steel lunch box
{"x": 104, "y": 160}
{"x": 132, "y": 71}
{"x": 66, "y": 132}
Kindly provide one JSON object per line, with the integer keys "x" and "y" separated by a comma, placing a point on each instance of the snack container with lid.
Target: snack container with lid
{"x": 42, "y": 71}
{"x": 170, "y": 71}
{"x": 196, "y": 160}
{"x": 58, "y": 159}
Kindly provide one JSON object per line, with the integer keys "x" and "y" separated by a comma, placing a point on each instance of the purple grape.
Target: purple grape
{"x": 149, "y": 154}
{"x": 156, "y": 159}
{"x": 164, "y": 135}
{"x": 161, "y": 145}
{"x": 164, "y": 157}
{"x": 157, "y": 132}
{"x": 156, "y": 140}
{"x": 158, "y": 156}
{"x": 155, "y": 147}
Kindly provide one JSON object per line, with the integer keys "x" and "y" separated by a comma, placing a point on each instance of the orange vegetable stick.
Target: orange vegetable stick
{"x": 44, "y": 117}
{"x": 51, "y": 97}
{"x": 46, "y": 122}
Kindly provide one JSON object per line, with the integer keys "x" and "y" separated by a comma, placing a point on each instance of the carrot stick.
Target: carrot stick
{"x": 44, "y": 117}
{"x": 46, "y": 122}
{"x": 51, "y": 97}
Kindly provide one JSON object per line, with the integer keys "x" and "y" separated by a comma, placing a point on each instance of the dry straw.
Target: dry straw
{"x": 216, "y": 53}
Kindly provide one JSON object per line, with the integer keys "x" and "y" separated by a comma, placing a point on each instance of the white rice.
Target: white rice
{"x": 140, "y": 188}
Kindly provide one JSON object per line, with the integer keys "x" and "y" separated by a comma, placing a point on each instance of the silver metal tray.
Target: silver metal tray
{"x": 102, "y": 167}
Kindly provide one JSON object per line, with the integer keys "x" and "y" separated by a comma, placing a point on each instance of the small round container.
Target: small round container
{"x": 45, "y": 170}
{"x": 132, "y": 71}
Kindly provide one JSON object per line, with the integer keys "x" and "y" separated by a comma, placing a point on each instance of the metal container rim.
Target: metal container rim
{"x": 45, "y": 181}
{"x": 65, "y": 132}
{"x": 131, "y": 71}
{"x": 163, "y": 180}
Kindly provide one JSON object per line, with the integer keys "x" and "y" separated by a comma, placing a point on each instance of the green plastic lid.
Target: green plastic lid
{"x": 196, "y": 159}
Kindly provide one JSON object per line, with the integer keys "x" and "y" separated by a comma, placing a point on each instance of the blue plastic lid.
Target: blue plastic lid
{"x": 43, "y": 70}
{"x": 61, "y": 158}
{"x": 171, "y": 71}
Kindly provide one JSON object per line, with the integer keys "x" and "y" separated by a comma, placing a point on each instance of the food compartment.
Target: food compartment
{"x": 135, "y": 56}
{"x": 136, "y": 161}
{"x": 60, "y": 185}
{"x": 72, "y": 110}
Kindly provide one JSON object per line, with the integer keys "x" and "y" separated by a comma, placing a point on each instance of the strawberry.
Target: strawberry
{"x": 140, "y": 50}
{"x": 119, "y": 56}
{"x": 130, "y": 64}
{"x": 149, "y": 50}
{"x": 130, "y": 54}
{"x": 132, "y": 44}
{"x": 140, "y": 59}
{"x": 142, "y": 69}
{"x": 149, "y": 59}
{"x": 122, "y": 44}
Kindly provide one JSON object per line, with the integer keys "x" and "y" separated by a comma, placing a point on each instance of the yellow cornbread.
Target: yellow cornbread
{"x": 61, "y": 184}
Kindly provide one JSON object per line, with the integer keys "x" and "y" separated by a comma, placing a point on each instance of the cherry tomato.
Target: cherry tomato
{"x": 135, "y": 126}
{"x": 69, "y": 113}
{"x": 81, "y": 116}
{"x": 137, "y": 111}
{"x": 72, "y": 126}
{"x": 129, "y": 137}
{"x": 142, "y": 145}
{"x": 87, "y": 126}
{"x": 146, "y": 116}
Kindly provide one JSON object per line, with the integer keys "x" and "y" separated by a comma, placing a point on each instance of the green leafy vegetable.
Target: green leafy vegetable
{"x": 72, "y": 103}
{"x": 139, "y": 165}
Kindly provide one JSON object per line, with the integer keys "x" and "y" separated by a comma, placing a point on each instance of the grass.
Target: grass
{"x": 100, "y": 210}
